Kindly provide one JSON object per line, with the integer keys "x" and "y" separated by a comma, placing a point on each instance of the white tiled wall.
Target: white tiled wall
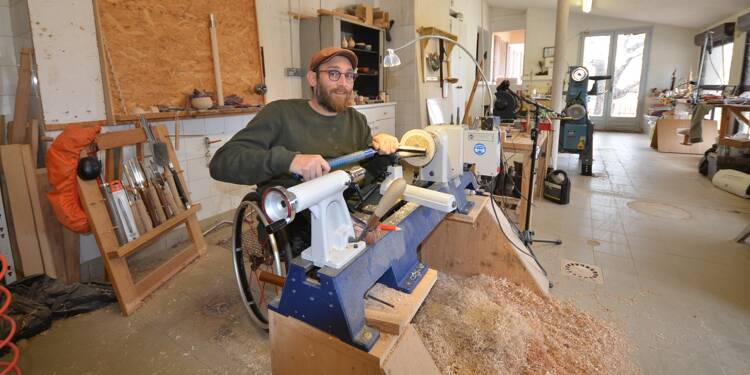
{"x": 8, "y": 70}
{"x": 15, "y": 33}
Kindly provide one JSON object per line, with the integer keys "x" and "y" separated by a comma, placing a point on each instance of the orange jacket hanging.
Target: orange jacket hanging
{"x": 62, "y": 165}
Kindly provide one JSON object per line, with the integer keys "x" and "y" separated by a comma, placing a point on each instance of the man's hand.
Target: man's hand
{"x": 309, "y": 166}
{"x": 384, "y": 144}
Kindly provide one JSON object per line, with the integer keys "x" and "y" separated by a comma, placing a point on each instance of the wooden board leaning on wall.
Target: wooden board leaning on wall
{"x": 157, "y": 52}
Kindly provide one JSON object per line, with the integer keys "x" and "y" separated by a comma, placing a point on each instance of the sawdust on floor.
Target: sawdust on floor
{"x": 486, "y": 325}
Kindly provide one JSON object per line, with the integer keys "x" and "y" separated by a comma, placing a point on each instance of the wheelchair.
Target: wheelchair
{"x": 256, "y": 250}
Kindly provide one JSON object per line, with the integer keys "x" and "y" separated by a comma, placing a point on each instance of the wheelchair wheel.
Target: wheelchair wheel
{"x": 256, "y": 251}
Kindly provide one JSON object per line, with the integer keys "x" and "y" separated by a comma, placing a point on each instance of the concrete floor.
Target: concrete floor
{"x": 673, "y": 279}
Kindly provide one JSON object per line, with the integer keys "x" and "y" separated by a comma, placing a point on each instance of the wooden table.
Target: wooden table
{"x": 728, "y": 113}
{"x": 520, "y": 142}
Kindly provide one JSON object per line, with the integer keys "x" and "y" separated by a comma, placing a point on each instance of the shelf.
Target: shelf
{"x": 192, "y": 113}
{"x": 362, "y": 50}
{"x": 160, "y": 116}
{"x": 138, "y": 243}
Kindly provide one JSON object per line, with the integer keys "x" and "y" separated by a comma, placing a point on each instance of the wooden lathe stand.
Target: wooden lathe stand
{"x": 298, "y": 348}
{"x": 476, "y": 243}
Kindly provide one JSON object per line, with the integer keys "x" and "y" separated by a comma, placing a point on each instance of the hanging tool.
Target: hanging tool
{"x": 161, "y": 216}
{"x": 138, "y": 194}
{"x": 113, "y": 213}
{"x": 160, "y": 187}
{"x": 261, "y": 88}
{"x": 161, "y": 156}
{"x": 137, "y": 218}
{"x": 150, "y": 199}
{"x": 123, "y": 210}
{"x": 215, "y": 56}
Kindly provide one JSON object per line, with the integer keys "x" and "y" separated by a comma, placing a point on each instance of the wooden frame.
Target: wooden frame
{"x": 521, "y": 143}
{"x": 730, "y": 112}
{"x": 130, "y": 294}
{"x": 423, "y": 46}
{"x": 23, "y": 90}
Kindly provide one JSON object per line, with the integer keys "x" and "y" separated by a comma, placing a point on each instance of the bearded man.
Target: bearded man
{"x": 296, "y": 136}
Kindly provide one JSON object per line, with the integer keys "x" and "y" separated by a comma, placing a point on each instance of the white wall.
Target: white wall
{"x": 436, "y": 14}
{"x": 15, "y": 33}
{"x": 401, "y": 82}
{"x": 671, "y": 46}
{"x": 8, "y": 61}
{"x": 502, "y": 19}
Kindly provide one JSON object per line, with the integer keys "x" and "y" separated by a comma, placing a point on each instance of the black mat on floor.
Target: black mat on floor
{"x": 38, "y": 300}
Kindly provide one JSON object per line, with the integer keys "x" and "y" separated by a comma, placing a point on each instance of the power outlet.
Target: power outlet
{"x": 294, "y": 72}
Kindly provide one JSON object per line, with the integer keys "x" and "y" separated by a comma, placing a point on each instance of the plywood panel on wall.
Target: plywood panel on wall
{"x": 157, "y": 52}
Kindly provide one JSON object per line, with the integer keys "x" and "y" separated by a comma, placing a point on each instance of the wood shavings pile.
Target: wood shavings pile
{"x": 485, "y": 325}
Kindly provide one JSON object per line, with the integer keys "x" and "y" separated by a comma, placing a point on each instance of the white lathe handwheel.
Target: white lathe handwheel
{"x": 419, "y": 138}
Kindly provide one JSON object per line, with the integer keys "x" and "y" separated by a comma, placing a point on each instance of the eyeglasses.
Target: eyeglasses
{"x": 335, "y": 75}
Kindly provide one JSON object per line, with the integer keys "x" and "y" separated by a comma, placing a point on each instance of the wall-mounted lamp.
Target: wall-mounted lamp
{"x": 391, "y": 59}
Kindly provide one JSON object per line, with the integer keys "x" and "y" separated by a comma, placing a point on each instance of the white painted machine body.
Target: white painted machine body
{"x": 482, "y": 148}
{"x": 331, "y": 226}
{"x": 445, "y": 152}
{"x": 424, "y": 197}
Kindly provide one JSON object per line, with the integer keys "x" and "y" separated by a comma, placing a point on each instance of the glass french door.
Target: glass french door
{"x": 620, "y": 54}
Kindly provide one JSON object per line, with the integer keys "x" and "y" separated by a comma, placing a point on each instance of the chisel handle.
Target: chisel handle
{"x": 143, "y": 213}
{"x": 180, "y": 189}
{"x": 179, "y": 206}
{"x": 158, "y": 211}
{"x": 170, "y": 200}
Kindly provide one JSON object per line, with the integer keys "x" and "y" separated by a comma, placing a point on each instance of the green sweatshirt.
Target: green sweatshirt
{"x": 262, "y": 152}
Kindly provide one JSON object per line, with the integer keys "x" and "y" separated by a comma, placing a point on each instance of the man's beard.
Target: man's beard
{"x": 330, "y": 102}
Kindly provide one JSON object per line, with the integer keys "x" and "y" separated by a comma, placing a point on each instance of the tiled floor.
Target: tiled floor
{"x": 675, "y": 281}
{"x": 673, "y": 277}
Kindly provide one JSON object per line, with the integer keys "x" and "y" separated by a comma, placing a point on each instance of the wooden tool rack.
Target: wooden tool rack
{"x": 130, "y": 293}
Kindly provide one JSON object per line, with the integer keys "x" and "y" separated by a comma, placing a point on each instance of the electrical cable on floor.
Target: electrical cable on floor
{"x": 497, "y": 218}
{"x": 11, "y": 366}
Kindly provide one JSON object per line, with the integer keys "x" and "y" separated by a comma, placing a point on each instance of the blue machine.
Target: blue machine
{"x": 332, "y": 300}
{"x": 577, "y": 130}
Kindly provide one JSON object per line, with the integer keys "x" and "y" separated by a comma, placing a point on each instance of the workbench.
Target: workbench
{"x": 521, "y": 142}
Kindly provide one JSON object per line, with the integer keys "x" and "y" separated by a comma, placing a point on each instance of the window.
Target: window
{"x": 507, "y": 54}
{"x": 514, "y": 62}
{"x": 717, "y": 65}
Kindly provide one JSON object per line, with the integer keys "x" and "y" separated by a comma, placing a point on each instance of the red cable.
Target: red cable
{"x": 6, "y": 342}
